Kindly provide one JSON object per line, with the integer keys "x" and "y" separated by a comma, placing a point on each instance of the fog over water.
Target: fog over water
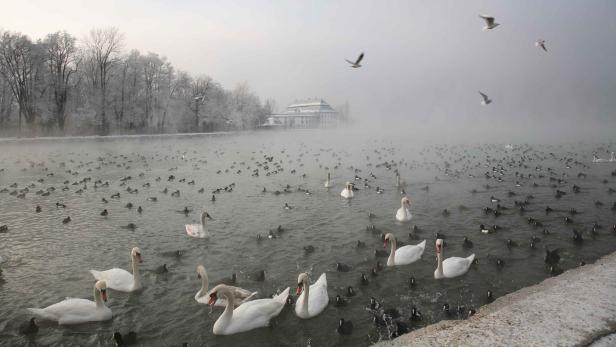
{"x": 45, "y": 260}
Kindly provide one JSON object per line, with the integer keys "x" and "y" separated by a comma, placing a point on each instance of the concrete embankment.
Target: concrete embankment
{"x": 573, "y": 309}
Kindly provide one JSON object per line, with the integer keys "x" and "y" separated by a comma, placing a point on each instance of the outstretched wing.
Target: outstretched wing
{"x": 489, "y": 20}
{"x": 350, "y": 62}
{"x": 485, "y": 97}
{"x": 361, "y": 56}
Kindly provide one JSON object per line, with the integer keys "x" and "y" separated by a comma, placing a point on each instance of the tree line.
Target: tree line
{"x": 60, "y": 85}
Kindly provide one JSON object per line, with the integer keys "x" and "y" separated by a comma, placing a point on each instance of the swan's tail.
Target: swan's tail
{"x": 282, "y": 297}
{"x": 250, "y": 297}
{"x": 322, "y": 280}
{"x": 96, "y": 274}
{"x": 471, "y": 257}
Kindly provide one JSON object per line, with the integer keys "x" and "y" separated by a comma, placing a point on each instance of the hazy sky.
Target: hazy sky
{"x": 425, "y": 60}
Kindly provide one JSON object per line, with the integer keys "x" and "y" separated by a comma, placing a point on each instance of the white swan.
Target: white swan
{"x": 450, "y": 267}
{"x": 313, "y": 299}
{"x": 250, "y": 315}
{"x": 198, "y": 230}
{"x": 76, "y": 311}
{"x": 120, "y": 279}
{"x": 328, "y": 183}
{"x": 202, "y": 296}
{"x": 404, "y": 214}
{"x": 347, "y": 192}
{"x": 596, "y": 159}
{"x": 403, "y": 255}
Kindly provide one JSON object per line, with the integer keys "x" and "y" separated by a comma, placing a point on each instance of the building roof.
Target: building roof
{"x": 310, "y": 106}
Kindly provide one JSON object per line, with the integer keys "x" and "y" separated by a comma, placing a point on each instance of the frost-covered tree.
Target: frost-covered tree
{"x": 103, "y": 47}
{"x": 21, "y": 66}
{"x": 62, "y": 62}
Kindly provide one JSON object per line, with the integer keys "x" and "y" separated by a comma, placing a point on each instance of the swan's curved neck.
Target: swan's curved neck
{"x": 304, "y": 304}
{"x": 398, "y": 180}
{"x": 98, "y": 299}
{"x": 205, "y": 282}
{"x": 392, "y": 251}
{"x": 203, "y": 219}
{"x": 439, "y": 267}
{"x": 136, "y": 276}
{"x": 225, "y": 317}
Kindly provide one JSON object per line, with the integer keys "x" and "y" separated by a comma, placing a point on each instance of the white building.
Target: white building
{"x": 307, "y": 114}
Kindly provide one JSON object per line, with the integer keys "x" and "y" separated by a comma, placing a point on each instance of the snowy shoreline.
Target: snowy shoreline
{"x": 576, "y": 308}
{"x": 110, "y": 137}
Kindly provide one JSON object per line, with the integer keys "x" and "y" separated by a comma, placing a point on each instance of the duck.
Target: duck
{"x": 120, "y": 279}
{"x": 76, "y": 311}
{"x": 242, "y": 295}
{"x": 404, "y": 255}
{"x": 198, "y": 230}
{"x": 577, "y": 236}
{"x": 484, "y": 230}
{"x": 345, "y": 327}
{"x": 466, "y": 243}
{"x": 489, "y": 296}
{"x": 248, "y": 316}
{"x": 128, "y": 339}
{"x": 416, "y": 316}
{"x": 451, "y": 267}
{"x": 340, "y": 302}
{"x": 340, "y": 267}
{"x": 163, "y": 269}
{"x": 412, "y": 282}
{"x": 328, "y": 183}
{"x": 403, "y": 214}
{"x": 347, "y": 192}
{"x": 29, "y": 327}
{"x": 350, "y": 292}
{"x": 363, "y": 279}
{"x": 312, "y": 299}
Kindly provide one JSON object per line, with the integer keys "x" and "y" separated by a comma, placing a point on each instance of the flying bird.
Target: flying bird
{"x": 490, "y": 24}
{"x": 356, "y": 63}
{"x": 541, "y": 43}
{"x": 485, "y": 100}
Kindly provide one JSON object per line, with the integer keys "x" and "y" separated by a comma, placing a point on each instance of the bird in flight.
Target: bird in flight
{"x": 485, "y": 100}
{"x": 541, "y": 43}
{"x": 490, "y": 24}
{"x": 356, "y": 63}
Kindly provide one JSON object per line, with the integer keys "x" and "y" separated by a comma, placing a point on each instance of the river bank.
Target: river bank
{"x": 573, "y": 309}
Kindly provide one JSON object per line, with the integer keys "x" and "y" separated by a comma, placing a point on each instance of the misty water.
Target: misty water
{"x": 45, "y": 260}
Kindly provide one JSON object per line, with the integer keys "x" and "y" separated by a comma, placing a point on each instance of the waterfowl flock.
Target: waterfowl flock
{"x": 355, "y": 261}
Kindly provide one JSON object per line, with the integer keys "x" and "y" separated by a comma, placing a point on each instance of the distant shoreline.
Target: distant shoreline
{"x": 104, "y": 137}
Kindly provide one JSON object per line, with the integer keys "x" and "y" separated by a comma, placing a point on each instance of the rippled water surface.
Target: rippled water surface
{"x": 44, "y": 260}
